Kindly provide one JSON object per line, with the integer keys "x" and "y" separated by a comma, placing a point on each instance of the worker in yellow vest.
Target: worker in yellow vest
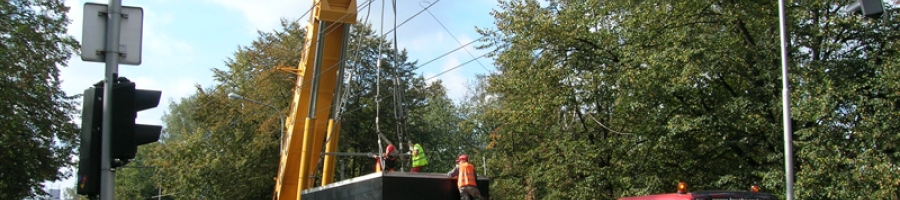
{"x": 465, "y": 178}
{"x": 418, "y": 156}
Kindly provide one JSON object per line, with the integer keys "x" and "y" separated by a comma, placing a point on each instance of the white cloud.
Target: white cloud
{"x": 265, "y": 15}
{"x": 158, "y": 41}
{"x": 465, "y": 39}
{"x": 145, "y": 83}
{"x": 172, "y": 92}
{"x": 78, "y": 76}
{"x": 423, "y": 41}
{"x": 76, "y": 14}
{"x": 183, "y": 88}
{"x": 452, "y": 79}
{"x": 453, "y": 74}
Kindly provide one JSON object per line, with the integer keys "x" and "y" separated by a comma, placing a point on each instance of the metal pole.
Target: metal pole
{"x": 107, "y": 173}
{"x": 786, "y": 104}
{"x": 484, "y": 165}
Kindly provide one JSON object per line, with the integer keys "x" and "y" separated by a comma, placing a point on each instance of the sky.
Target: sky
{"x": 183, "y": 40}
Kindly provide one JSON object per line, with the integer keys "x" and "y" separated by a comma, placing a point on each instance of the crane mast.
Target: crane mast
{"x": 313, "y": 116}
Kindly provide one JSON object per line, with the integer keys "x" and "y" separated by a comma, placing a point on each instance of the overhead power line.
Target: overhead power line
{"x": 454, "y": 38}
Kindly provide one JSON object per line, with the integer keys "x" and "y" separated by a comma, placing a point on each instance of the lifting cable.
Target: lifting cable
{"x": 452, "y": 36}
{"x": 346, "y": 93}
{"x": 383, "y": 35}
{"x": 399, "y": 112}
{"x": 378, "y": 92}
{"x": 445, "y": 71}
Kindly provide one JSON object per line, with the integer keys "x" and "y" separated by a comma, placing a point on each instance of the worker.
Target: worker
{"x": 389, "y": 160}
{"x": 465, "y": 178}
{"x": 418, "y": 156}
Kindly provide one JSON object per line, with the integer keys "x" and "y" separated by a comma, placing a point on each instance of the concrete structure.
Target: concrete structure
{"x": 394, "y": 185}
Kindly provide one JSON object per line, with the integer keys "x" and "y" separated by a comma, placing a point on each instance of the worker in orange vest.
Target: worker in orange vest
{"x": 466, "y": 178}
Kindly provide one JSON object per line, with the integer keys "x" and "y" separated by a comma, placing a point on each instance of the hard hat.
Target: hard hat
{"x": 390, "y": 149}
{"x": 463, "y": 157}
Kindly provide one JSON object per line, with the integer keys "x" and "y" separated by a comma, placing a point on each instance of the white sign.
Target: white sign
{"x": 93, "y": 34}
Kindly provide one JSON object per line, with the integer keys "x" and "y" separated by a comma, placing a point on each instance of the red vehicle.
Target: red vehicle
{"x": 683, "y": 194}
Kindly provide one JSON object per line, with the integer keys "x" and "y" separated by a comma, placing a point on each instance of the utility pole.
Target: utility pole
{"x": 103, "y": 41}
{"x": 107, "y": 173}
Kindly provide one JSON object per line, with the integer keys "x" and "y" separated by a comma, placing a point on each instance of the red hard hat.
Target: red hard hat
{"x": 463, "y": 157}
{"x": 390, "y": 149}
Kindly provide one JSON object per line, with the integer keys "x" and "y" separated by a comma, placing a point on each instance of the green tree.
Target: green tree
{"x": 136, "y": 180}
{"x": 216, "y": 147}
{"x": 474, "y": 126}
{"x": 144, "y": 177}
{"x": 437, "y": 129}
{"x": 552, "y": 127}
{"x": 38, "y": 134}
{"x": 628, "y": 99}
{"x": 847, "y": 120}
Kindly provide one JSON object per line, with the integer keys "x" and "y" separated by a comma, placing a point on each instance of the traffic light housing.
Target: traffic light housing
{"x": 126, "y": 134}
{"x": 91, "y": 138}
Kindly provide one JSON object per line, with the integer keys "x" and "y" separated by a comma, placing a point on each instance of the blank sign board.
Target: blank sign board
{"x": 93, "y": 35}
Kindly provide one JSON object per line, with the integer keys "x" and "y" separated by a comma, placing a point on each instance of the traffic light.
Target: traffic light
{"x": 91, "y": 138}
{"x": 126, "y": 135}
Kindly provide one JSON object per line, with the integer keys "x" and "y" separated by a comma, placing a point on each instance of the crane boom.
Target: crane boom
{"x": 319, "y": 74}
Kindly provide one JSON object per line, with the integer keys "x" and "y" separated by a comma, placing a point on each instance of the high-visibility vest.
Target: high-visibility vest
{"x": 466, "y": 175}
{"x": 419, "y": 160}
{"x": 377, "y": 165}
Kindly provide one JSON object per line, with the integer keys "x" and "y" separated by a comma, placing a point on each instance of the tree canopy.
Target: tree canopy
{"x": 591, "y": 100}
{"x": 605, "y": 99}
{"x": 216, "y": 147}
{"x": 38, "y": 135}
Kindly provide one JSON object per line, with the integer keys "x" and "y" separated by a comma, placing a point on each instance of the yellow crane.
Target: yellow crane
{"x": 314, "y": 119}
{"x": 316, "y": 96}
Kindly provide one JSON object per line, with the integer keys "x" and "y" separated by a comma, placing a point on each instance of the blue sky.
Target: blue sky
{"x": 184, "y": 39}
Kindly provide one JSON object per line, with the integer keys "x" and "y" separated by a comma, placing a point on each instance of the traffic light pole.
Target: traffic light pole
{"x": 107, "y": 173}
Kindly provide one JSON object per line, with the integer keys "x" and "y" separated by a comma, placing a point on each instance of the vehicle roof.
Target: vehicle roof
{"x": 733, "y": 194}
{"x": 707, "y": 195}
{"x": 673, "y": 196}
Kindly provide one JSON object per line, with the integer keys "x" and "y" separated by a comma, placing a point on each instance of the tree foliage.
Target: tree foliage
{"x": 215, "y": 147}
{"x": 604, "y": 99}
{"x": 38, "y": 136}
{"x": 592, "y": 100}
